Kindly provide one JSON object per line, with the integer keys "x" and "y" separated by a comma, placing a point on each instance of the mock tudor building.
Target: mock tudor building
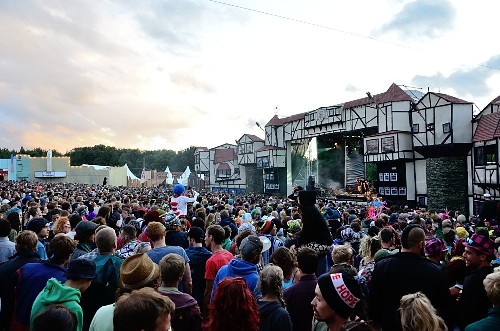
{"x": 414, "y": 148}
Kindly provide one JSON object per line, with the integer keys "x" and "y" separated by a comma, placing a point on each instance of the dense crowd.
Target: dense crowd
{"x": 93, "y": 257}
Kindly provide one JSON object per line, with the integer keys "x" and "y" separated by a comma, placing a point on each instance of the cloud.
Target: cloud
{"x": 421, "y": 19}
{"x": 465, "y": 82}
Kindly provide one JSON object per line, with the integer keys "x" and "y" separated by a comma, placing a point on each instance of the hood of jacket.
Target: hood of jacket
{"x": 54, "y": 292}
{"x": 241, "y": 267}
{"x": 198, "y": 255}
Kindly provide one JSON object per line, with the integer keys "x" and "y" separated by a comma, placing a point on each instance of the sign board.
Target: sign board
{"x": 50, "y": 174}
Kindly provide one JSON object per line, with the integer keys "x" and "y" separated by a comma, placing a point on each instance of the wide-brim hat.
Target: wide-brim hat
{"x": 481, "y": 244}
{"x": 137, "y": 271}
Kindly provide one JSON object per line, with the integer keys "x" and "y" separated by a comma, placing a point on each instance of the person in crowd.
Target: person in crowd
{"x": 226, "y": 220}
{"x": 418, "y": 314}
{"x": 435, "y": 250}
{"x": 61, "y": 227}
{"x": 26, "y": 243}
{"x": 181, "y": 199}
{"x": 129, "y": 241}
{"x": 214, "y": 235}
{"x": 285, "y": 259}
{"x": 273, "y": 315}
{"x": 342, "y": 254}
{"x": 315, "y": 232}
{"x": 55, "y": 317}
{"x": 337, "y": 297}
{"x": 154, "y": 309}
{"x": 187, "y": 314}
{"x": 474, "y": 303}
{"x": 267, "y": 229}
{"x": 156, "y": 232}
{"x": 74, "y": 219}
{"x": 40, "y": 226}
{"x": 298, "y": 297}
{"x": 102, "y": 290}
{"x": 492, "y": 321}
{"x": 85, "y": 236}
{"x": 174, "y": 236}
{"x": 7, "y": 247}
{"x": 32, "y": 278}
{"x": 404, "y": 273}
{"x": 367, "y": 264}
{"x": 232, "y": 295}
{"x": 251, "y": 251}
{"x": 79, "y": 276}
{"x": 136, "y": 272}
{"x": 15, "y": 219}
{"x": 198, "y": 256}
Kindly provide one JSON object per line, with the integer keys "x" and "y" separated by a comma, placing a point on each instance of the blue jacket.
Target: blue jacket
{"x": 238, "y": 268}
{"x": 32, "y": 278}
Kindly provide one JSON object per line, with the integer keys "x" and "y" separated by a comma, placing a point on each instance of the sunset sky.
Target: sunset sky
{"x": 178, "y": 73}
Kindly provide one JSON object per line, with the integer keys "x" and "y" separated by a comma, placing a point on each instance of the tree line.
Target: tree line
{"x": 116, "y": 157}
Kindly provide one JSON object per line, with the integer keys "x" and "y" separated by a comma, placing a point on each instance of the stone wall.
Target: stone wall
{"x": 447, "y": 183}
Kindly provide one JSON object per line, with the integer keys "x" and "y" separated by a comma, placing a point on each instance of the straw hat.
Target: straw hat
{"x": 137, "y": 271}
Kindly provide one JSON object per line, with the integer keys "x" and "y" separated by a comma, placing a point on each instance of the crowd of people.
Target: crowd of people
{"x": 93, "y": 257}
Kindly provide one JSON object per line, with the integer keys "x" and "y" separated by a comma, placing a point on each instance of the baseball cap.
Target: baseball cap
{"x": 196, "y": 232}
{"x": 81, "y": 269}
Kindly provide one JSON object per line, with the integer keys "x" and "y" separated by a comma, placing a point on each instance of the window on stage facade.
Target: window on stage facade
{"x": 485, "y": 155}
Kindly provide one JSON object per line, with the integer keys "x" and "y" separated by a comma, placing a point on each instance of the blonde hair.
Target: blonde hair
{"x": 492, "y": 287}
{"x": 342, "y": 254}
{"x": 271, "y": 282}
{"x": 418, "y": 314}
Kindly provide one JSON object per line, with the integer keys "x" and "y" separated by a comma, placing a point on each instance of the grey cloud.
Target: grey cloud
{"x": 466, "y": 81}
{"x": 422, "y": 18}
{"x": 352, "y": 88}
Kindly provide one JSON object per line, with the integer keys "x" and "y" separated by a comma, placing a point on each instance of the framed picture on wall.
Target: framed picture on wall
{"x": 381, "y": 191}
{"x": 402, "y": 191}
{"x": 387, "y": 191}
{"x": 381, "y": 176}
{"x": 394, "y": 176}
{"x": 394, "y": 191}
{"x": 388, "y": 144}
{"x": 387, "y": 176}
{"x": 372, "y": 146}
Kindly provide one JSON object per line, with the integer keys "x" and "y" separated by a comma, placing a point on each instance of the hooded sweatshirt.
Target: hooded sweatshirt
{"x": 187, "y": 315}
{"x": 273, "y": 316}
{"x": 238, "y": 268}
{"x": 198, "y": 257}
{"x": 57, "y": 293}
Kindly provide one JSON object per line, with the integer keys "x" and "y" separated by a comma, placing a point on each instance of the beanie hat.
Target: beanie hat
{"x": 81, "y": 269}
{"x": 341, "y": 292}
{"x": 36, "y": 224}
{"x": 266, "y": 226}
{"x": 137, "y": 271}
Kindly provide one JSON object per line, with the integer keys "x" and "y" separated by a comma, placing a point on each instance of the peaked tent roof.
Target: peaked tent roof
{"x": 488, "y": 127}
{"x": 129, "y": 173}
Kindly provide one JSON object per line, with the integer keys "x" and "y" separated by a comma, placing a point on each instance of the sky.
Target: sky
{"x": 170, "y": 74}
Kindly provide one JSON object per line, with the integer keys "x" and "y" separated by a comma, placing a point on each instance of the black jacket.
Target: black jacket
{"x": 402, "y": 274}
{"x": 474, "y": 303}
{"x": 274, "y": 317}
